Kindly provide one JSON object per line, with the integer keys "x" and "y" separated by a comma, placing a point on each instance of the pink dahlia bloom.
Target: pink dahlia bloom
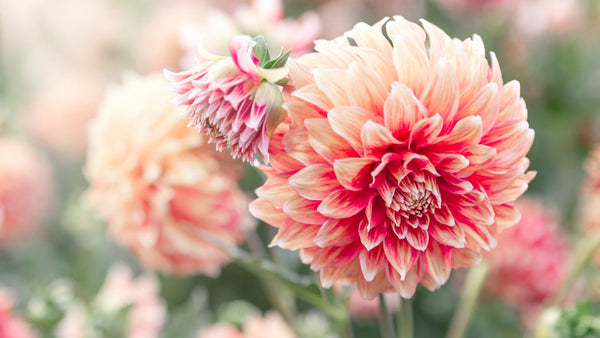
{"x": 400, "y": 161}
{"x": 26, "y": 190}
{"x": 145, "y": 316}
{"x": 534, "y": 250}
{"x": 233, "y": 100}
{"x": 11, "y": 325}
{"x": 161, "y": 187}
{"x": 271, "y": 326}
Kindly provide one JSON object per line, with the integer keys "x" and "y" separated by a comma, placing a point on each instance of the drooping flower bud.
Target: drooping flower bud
{"x": 236, "y": 100}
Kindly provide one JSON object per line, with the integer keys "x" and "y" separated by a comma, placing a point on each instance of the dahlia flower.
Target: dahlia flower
{"x": 144, "y": 318}
{"x": 235, "y": 100}
{"x": 399, "y": 161}
{"x": 26, "y": 190}
{"x": 161, "y": 187}
{"x": 534, "y": 250}
{"x": 10, "y": 324}
{"x": 260, "y": 17}
{"x": 271, "y": 326}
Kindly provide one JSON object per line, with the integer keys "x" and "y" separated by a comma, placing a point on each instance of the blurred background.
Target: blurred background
{"x": 57, "y": 58}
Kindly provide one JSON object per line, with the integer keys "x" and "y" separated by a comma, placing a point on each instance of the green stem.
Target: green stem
{"x": 386, "y": 322}
{"x": 584, "y": 251}
{"x": 281, "y": 299}
{"x": 405, "y": 319}
{"x": 466, "y": 306}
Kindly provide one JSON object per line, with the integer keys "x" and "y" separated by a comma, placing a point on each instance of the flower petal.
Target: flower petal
{"x": 314, "y": 182}
{"x": 343, "y": 203}
{"x": 326, "y": 142}
{"x": 402, "y": 110}
{"x": 348, "y": 123}
{"x": 303, "y": 210}
{"x": 400, "y": 254}
{"x": 353, "y": 173}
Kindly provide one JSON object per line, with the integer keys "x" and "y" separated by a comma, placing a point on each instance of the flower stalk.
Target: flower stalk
{"x": 405, "y": 319}
{"x": 584, "y": 251}
{"x": 386, "y": 322}
{"x": 472, "y": 288}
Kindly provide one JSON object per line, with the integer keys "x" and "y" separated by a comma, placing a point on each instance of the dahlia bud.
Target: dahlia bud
{"x": 236, "y": 100}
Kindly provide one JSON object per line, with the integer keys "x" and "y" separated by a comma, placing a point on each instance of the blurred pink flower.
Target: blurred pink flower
{"x": 26, "y": 190}
{"x": 361, "y": 308}
{"x": 233, "y": 100}
{"x": 552, "y": 17}
{"x": 158, "y": 45}
{"x": 161, "y": 187}
{"x": 145, "y": 317}
{"x": 400, "y": 162}
{"x": 261, "y": 17}
{"x": 532, "y": 251}
{"x": 59, "y": 111}
{"x": 11, "y": 325}
{"x": 271, "y": 326}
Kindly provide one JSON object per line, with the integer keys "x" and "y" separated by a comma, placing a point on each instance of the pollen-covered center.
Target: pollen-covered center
{"x": 410, "y": 191}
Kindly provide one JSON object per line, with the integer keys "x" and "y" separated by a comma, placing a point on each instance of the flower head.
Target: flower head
{"x": 399, "y": 161}
{"x": 161, "y": 187}
{"x": 534, "y": 250}
{"x": 235, "y": 100}
{"x": 26, "y": 190}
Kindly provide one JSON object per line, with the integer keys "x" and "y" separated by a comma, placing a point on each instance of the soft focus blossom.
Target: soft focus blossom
{"x": 234, "y": 100}
{"x": 361, "y": 308}
{"x": 48, "y": 37}
{"x": 271, "y": 326}
{"x": 399, "y": 162}
{"x": 26, "y": 189}
{"x": 260, "y": 17}
{"x": 589, "y": 201}
{"x": 530, "y": 260}
{"x": 553, "y": 17}
{"x": 158, "y": 45}
{"x": 58, "y": 113}
{"x": 11, "y": 325}
{"x": 161, "y": 187}
{"x": 146, "y": 312}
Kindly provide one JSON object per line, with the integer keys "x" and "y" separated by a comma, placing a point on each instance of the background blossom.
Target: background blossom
{"x": 159, "y": 184}
{"x": 532, "y": 251}
{"x": 26, "y": 190}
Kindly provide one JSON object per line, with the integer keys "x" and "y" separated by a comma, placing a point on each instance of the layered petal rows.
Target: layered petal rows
{"x": 163, "y": 189}
{"x": 233, "y": 100}
{"x": 400, "y": 159}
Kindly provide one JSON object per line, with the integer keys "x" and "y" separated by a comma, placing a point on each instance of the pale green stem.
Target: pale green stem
{"x": 584, "y": 251}
{"x": 281, "y": 299}
{"x": 386, "y": 322}
{"x": 405, "y": 319}
{"x": 473, "y": 284}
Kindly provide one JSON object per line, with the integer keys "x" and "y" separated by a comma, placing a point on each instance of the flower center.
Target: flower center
{"x": 413, "y": 199}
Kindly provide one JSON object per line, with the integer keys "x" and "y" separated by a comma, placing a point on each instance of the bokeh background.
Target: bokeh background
{"x": 57, "y": 57}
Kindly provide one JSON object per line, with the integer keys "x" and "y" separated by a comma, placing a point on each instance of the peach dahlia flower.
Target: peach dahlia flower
{"x": 26, "y": 190}
{"x": 161, "y": 187}
{"x": 534, "y": 250}
{"x": 399, "y": 161}
{"x": 234, "y": 100}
